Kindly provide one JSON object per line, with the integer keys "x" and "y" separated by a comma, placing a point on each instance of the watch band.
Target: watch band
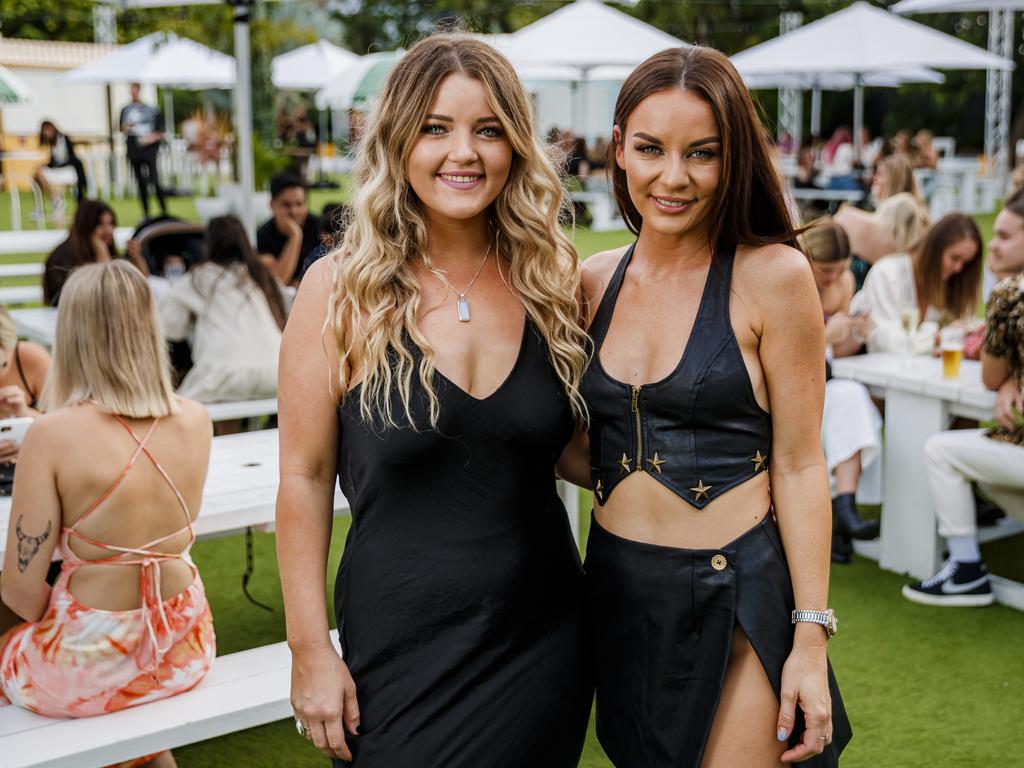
{"x": 825, "y": 618}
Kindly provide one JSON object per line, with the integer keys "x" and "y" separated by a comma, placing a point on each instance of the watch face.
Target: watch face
{"x": 833, "y": 622}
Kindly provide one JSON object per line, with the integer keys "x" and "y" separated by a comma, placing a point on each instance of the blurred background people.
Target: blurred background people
{"x": 63, "y": 167}
{"x": 292, "y": 233}
{"x": 142, "y": 125}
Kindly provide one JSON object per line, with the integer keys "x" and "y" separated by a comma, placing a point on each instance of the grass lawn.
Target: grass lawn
{"x": 924, "y": 687}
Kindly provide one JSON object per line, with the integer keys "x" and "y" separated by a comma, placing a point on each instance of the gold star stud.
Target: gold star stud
{"x": 759, "y": 461}
{"x": 624, "y": 463}
{"x": 701, "y": 490}
{"x": 656, "y": 462}
{"x": 597, "y": 490}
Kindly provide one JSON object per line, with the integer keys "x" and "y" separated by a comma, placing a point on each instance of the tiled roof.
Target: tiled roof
{"x": 47, "y": 54}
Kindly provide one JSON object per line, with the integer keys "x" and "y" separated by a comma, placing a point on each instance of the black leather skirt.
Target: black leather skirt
{"x": 663, "y": 623}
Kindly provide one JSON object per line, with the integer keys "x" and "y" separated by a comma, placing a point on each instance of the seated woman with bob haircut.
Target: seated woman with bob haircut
{"x": 110, "y": 478}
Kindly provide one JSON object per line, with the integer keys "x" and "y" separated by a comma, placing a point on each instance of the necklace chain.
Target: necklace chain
{"x": 462, "y": 294}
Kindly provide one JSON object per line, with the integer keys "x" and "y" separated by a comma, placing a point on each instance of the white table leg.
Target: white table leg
{"x": 909, "y": 540}
{"x": 571, "y": 499}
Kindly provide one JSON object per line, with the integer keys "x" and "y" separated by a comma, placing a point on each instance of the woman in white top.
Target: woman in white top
{"x": 233, "y": 309}
{"x": 908, "y": 296}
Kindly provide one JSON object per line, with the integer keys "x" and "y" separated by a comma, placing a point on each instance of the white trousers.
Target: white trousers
{"x": 851, "y": 424}
{"x": 955, "y": 459}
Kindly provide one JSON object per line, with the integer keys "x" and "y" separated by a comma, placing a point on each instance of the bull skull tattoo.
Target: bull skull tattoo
{"x": 28, "y": 546}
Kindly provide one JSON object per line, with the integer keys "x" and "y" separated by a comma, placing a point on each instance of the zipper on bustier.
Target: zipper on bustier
{"x": 639, "y": 435}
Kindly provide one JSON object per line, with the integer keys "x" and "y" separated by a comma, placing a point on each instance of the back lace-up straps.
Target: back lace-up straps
{"x": 150, "y": 651}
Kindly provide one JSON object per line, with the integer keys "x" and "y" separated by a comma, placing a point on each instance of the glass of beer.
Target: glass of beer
{"x": 951, "y": 345}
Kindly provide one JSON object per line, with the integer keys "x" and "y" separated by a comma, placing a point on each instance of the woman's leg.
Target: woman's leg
{"x": 743, "y": 732}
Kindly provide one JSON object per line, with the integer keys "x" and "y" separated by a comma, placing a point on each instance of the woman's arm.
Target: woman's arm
{"x": 323, "y": 693}
{"x": 34, "y": 527}
{"x": 791, "y": 351}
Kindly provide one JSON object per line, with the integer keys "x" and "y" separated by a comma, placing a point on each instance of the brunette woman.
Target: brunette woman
{"x": 90, "y": 240}
{"x": 709, "y": 591}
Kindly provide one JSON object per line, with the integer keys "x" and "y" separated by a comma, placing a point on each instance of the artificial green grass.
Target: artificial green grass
{"x": 924, "y": 687}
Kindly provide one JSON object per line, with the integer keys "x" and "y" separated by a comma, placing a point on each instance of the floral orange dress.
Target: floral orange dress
{"x": 78, "y": 661}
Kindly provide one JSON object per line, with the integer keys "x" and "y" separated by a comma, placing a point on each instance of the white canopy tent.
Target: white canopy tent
{"x": 310, "y": 67}
{"x": 583, "y": 36}
{"x": 858, "y": 41}
{"x": 998, "y": 88}
{"x": 161, "y": 58}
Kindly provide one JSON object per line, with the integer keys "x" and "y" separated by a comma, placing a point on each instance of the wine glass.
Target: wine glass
{"x": 910, "y": 319}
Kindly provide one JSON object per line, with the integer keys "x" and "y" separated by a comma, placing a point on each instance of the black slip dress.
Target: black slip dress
{"x": 460, "y": 597}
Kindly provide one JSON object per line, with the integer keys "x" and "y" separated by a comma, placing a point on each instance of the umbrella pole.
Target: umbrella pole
{"x": 243, "y": 113}
{"x": 169, "y": 112}
{"x": 858, "y": 116}
{"x": 816, "y": 112}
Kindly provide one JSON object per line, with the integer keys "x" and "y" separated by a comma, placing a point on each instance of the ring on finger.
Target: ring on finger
{"x": 301, "y": 728}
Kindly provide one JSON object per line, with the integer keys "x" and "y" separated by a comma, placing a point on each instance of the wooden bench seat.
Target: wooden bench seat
{"x": 242, "y": 690}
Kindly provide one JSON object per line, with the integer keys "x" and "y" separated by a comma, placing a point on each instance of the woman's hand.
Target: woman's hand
{"x": 324, "y": 699}
{"x": 1009, "y": 404}
{"x": 805, "y": 684}
{"x": 839, "y": 328}
{"x": 13, "y": 403}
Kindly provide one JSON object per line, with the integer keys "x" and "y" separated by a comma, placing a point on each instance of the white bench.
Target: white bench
{"x": 242, "y": 690}
{"x": 34, "y": 269}
{"x": 21, "y": 294}
{"x": 45, "y": 240}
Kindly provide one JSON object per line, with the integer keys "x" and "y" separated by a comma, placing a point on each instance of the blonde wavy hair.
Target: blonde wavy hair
{"x": 374, "y": 295}
{"x": 904, "y": 219}
{"x": 108, "y": 347}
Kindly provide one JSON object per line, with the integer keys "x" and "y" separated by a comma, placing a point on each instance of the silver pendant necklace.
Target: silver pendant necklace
{"x": 462, "y": 305}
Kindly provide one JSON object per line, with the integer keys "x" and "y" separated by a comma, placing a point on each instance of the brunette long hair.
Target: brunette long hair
{"x": 750, "y": 206}
{"x": 227, "y": 244}
{"x": 87, "y": 218}
{"x": 959, "y": 294}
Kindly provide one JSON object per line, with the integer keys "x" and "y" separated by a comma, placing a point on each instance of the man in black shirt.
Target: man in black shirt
{"x": 141, "y": 125}
{"x": 292, "y": 234}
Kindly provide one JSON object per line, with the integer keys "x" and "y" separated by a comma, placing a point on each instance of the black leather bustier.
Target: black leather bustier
{"x": 699, "y": 431}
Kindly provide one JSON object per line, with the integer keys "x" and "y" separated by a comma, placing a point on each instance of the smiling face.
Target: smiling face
{"x": 956, "y": 256}
{"x": 1006, "y": 248}
{"x": 671, "y": 151}
{"x": 461, "y": 159}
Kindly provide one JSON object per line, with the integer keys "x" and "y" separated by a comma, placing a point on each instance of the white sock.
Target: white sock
{"x": 963, "y": 549}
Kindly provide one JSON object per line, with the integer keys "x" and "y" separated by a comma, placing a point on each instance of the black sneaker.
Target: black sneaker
{"x": 957, "y": 584}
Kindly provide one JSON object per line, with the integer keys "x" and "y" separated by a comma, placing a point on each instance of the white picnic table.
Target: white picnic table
{"x": 241, "y": 489}
{"x": 919, "y": 403}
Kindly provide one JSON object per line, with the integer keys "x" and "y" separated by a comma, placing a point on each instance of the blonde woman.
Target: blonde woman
{"x": 899, "y": 222}
{"x": 432, "y": 364}
{"x": 23, "y": 368}
{"x": 895, "y": 174}
{"x": 110, "y": 478}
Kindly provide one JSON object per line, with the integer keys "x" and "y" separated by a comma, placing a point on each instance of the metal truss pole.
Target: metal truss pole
{"x": 791, "y": 100}
{"x": 997, "y": 97}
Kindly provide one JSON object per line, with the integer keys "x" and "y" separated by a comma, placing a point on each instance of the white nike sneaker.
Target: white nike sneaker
{"x": 959, "y": 584}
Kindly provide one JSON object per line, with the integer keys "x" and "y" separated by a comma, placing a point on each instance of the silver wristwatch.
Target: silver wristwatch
{"x": 827, "y": 619}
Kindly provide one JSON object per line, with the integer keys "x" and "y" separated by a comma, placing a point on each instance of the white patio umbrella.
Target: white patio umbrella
{"x": 861, "y": 40}
{"x": 953, "y": 6}
{"x": 816, "y": 83}
{"x": 161, "y": 58}
{"x": 13, "y": 89}
{"x": 585, "y": 35}
{"x": 359, "y": 82}
{"x": 310, "y": 67}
